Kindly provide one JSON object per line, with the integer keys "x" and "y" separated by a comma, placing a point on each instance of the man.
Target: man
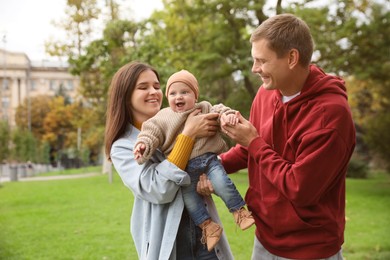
{"x": 296, "y": 146}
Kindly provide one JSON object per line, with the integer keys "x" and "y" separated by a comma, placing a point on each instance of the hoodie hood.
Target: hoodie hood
{"x": 318, "y": 91}
{"x": 319, "y": 83}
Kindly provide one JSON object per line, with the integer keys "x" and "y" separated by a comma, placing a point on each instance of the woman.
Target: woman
{"x": 160, "y": 226}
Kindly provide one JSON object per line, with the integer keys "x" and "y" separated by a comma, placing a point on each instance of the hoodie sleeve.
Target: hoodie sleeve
{"x": 235, "y": 159}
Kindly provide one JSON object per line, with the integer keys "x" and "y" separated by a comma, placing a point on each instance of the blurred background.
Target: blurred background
{"x": 53, "y": 93}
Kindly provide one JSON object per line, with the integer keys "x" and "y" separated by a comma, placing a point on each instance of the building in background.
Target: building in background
{"x": 22, "y": 79}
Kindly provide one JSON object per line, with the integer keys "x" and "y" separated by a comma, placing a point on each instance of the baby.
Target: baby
{"x": 161, "y": 131}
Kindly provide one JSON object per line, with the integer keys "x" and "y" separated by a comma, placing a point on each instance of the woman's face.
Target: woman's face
{"x": 147, "y": 96}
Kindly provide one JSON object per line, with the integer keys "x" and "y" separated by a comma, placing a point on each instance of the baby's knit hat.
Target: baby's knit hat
{"x": 187, "y": 78}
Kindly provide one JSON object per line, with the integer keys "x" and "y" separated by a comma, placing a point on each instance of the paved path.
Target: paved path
{"x": 49, "y": 178}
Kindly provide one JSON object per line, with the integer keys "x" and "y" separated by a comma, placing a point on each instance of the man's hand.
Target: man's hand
{"x": 242, "y": 133}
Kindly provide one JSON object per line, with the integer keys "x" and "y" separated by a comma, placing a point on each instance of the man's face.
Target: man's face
{"x": 272, "y": 70}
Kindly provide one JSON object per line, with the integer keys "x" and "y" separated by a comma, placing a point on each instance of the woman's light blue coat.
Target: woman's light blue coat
{"x": 158, "y": 202}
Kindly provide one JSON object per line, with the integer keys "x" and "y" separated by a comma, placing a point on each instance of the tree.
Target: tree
{"x": 101, "y": 59}
{"x": 43, "y": 153}
{"x": 58, "y": 127}
{"x": 211, "y": 39}
{"x": 353, "y": 41}
{"x": 39, "y": 108}
{"x": 78, "y": 26}
{"x": 24, "y": 145}
{"x": 93, "y": 143}
{"x": 367, "y": 59}
{"x": 89, "y": 133}
{"x": 208, "y": 37}
{"x": 377, "y": 137}
{"x": 4, "y": 141}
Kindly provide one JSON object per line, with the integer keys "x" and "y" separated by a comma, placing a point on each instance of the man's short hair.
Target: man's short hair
{"x": 285, "y": 32}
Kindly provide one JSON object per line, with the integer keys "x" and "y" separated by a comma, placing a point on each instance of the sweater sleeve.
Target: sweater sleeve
{"x": 151, "y": 136}
{"x": 181, "y": 151}
{"x": 222, "y": 109}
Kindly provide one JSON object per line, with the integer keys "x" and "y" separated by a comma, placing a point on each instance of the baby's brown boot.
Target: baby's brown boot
{"x": 211, "y": 233}
{"x": 243, "y": 218}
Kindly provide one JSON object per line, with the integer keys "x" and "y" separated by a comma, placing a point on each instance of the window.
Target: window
{"x": 52, "y": 85}
{"x": 5, "y": 102}
{"x": 5, "y": 84}
{"x": 70, "y": 85}
{"x": 33, "y": 85}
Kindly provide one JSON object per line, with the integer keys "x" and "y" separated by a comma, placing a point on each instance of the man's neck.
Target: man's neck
{"x": 297, "y": 81}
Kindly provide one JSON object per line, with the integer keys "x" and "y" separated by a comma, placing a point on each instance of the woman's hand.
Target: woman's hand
{"x": 204, "y": 186}
{"x": 202, "y": 125}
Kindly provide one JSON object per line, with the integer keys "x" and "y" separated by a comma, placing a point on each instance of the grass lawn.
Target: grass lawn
{"x": 88, "y": 218}
{"x": 368, "y": 218}
{"x": 91, "y": 169}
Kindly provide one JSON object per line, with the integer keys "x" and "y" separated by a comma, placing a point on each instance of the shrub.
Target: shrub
{"x": 357, "y": 168}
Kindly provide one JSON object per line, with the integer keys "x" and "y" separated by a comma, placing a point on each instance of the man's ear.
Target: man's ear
{"x": 293, "y": 58}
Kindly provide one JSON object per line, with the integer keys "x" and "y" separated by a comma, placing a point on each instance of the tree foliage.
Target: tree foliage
{"x": 58, "y": 125}
{"x": 78, "y": 26}
{"x": 211, "y": 39}
{"x": 352, "y": 40}
{"x": 5, "y": 139}
{"x": 24, "y": 146}
{"x": 377, "y": 137}
{"x": 37, "y": 108}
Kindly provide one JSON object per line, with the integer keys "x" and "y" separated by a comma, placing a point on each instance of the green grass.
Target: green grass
{"x": 89, "y": 169}
{"x": 368, "y": 218}
{"x": 89, "y": 219}
{"x": 66, "y": 219}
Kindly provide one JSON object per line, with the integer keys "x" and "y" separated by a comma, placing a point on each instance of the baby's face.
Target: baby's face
{"x": 181, "y": 97}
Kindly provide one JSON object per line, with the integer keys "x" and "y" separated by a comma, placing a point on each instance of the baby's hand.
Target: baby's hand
{"x": 139, "y": 150}
{"x": 230, "y": 119}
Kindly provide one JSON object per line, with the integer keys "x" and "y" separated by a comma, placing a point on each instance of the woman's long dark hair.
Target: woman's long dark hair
{"x": 119, "y": 96}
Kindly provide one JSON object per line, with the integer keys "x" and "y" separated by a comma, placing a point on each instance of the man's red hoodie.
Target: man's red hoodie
{"x": 297, "y": 167}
